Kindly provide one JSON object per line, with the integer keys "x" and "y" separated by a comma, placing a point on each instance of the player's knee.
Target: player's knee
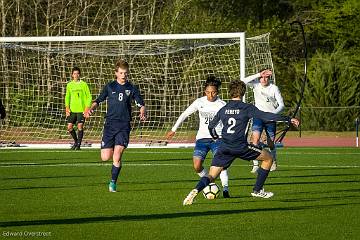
{"x": 268, "y": 159}
{"x": 105, "y": 157}
{"x": 198, "y": 166}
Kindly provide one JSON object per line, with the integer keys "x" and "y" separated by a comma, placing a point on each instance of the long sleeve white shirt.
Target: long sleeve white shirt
{"x": 267, "y": 98}
{"x": 207, "y": 111}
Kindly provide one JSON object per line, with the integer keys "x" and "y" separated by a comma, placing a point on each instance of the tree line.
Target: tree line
{"x": 331, "y": 28}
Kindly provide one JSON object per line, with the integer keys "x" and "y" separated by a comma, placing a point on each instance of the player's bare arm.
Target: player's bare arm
{"x": 170, "y": 134}
{"x": 89, "y": 111}
{"x": 266, "y": 73}
{"x": 67, "y": 111}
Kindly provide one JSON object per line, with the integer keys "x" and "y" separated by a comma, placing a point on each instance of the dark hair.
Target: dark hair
{"x": 212, "y": 81}
{"x": 75, "y": 69}
{"x": 237, "y": 88}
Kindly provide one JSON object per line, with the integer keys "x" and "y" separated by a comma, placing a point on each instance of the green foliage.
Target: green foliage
{"x": 336, "y": 22}
{"x": 333, "y": 81}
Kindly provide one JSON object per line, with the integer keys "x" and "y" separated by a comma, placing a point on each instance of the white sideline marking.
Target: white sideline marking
{"x": 72, "y": 151}
{"x": 16, "y": 164}
{"x": 97, "y": 146}
{"x": 170, "y": 152}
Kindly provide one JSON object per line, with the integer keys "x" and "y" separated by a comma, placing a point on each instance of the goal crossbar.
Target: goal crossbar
{"x": 240, "y": 35}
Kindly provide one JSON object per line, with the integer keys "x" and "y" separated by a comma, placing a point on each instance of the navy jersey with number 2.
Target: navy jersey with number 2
{"x": 234, "y": 117}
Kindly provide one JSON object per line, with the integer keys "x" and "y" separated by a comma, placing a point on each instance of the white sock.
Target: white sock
{"x": 255, "y": 162}
{"x": 224, "y": 177}
{"x": 203, "y": 173}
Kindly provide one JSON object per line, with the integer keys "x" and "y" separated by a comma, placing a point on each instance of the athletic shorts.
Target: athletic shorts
{"x": 115, "y": 133}
{"x": 203, "y": 146}
{"x": 75, "y": 118}
{"x": 225, "y": 156}
{"x": 258, "y": 126}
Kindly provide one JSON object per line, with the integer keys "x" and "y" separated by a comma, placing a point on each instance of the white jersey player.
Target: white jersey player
{"x": 207, "y": 107}
{"x": 268, "y": 99}
{"x": 207, "y": 110}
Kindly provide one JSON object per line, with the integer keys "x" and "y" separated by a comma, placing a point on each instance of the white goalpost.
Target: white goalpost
{"x": 169, "y": 71}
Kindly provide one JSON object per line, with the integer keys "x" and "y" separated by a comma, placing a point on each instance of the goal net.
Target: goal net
{"x": 169, "y": 70}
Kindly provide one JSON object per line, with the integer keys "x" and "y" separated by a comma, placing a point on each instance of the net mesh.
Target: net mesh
{"x": 169, "y": 74}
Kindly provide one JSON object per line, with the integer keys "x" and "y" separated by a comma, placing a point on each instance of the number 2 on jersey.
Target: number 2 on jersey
{"x": 232, "y": 123}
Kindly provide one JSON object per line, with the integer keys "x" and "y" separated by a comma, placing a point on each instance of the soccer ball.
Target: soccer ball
{"x": 211, "y": 191}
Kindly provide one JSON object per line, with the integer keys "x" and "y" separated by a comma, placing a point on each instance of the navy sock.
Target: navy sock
{"x": 73, "y": 134}
{"x": 261, "y": 177}
{"x": 203, "y": 182}
{"x": 80, "y": 136}
{"x": 115, "y": 171}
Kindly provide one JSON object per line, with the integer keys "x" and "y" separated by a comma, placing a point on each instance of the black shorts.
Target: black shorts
{"x": 225, "y": 156}
{"x": 75, "y": 118}
{"x": 115, "y": 133}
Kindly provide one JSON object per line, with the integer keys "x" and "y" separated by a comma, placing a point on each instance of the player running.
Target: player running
{"x": 235, "y": 116}
{"x": 119, "y": 94}
{"x": 77, "y": 102}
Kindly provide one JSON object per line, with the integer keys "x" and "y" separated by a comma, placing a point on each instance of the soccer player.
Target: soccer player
{"x": 207, "y": 106}
{"x": 77, "y": 102}
{"x": 119, "y": 94}
{"x": 235, "y": 116}
{"x": 268, "y": 99}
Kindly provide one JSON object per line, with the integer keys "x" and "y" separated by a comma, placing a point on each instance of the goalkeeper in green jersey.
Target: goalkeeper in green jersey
{"x": 77, "y": 101}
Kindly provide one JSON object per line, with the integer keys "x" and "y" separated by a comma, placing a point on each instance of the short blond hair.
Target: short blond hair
{"x": 121, "y": 64}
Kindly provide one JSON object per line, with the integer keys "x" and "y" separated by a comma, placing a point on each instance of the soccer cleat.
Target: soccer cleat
{"x": 254, "y": 169}
{"x": 77, "y": 147}
{"x": 73, "y": 146}
{"x": 226, "y": 194}
{"x": 262, "y": 194}
{"x": 112, "y": 187}
{"x": 273, "y": 166}
{"x": 190, "y": 197}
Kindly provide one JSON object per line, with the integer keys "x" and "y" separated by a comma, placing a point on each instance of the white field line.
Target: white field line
{"x": 189, "y": 152}
{"x": 27, "y": 164}
{"x": 72, "y": 151}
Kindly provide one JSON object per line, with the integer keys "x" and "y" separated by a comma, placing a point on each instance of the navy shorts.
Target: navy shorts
{"x": 203, "y": 146}
{"x": 258, "y": 126}
{"x": 75, "y": 118}
{"x": 225, "y": 156}
{"x": 115, "y": 133}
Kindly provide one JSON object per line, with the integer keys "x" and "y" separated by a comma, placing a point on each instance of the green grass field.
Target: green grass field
{"x": 63, "y": 195}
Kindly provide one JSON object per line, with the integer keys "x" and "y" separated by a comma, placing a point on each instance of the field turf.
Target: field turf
{"x": 63, "y": 194}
